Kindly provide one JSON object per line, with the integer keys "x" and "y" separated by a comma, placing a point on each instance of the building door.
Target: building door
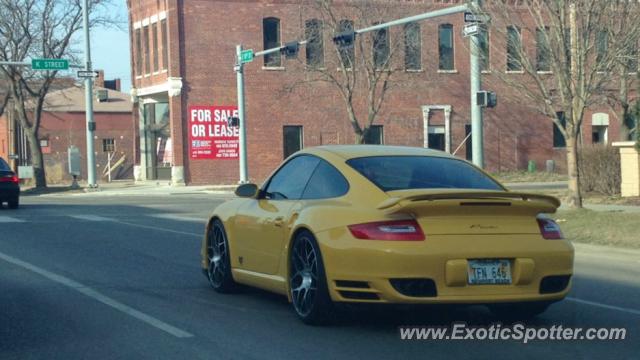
{"x": 158, "y": 150}
{"x": 468, "y": 145}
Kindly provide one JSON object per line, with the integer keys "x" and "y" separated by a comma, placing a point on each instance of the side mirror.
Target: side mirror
{"x": 247, "y": 190}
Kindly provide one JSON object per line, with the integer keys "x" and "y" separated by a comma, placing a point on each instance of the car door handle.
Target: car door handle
{"x": 279, "y": 221}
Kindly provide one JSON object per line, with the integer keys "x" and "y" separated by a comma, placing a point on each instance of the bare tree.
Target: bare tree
{"x": 362, "y": 73}
{"x": 37, "y": 29}
{"x": 578, "y": 47}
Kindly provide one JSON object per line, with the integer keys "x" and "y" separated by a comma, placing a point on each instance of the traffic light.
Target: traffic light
{"x": 233, "y": 121}
{"x": 290, "y": 49}
{"x": 345, "y": 39}
{"x": 487, "y": 99}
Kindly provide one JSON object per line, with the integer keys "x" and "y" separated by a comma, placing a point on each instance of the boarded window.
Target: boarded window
{"x": 347, "y": 54}
{"x": 445, "y": 47}
{"x": 315, "y": 43}
{"x": 412, "y": 47}
{"x": 292, "y": 139}
{"x": 138, "y": 58}
{"x": 147, "y": 57}
{"x": 271, "y": 39}
{"x": 165, "y": 44}
{"x": 514, "y": 49}
{"x": 156, "y": 49}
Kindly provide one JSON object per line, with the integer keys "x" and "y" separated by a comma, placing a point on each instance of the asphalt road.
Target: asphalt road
{"x": 118, "y": 278}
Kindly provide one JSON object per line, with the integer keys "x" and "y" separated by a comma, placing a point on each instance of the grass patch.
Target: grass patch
{"x": 525, "y": 176}
{"x": 612, "y": 228}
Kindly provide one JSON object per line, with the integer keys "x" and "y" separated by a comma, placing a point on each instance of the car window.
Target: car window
{"x": 289, "y": 182}
{"x": 421, "y": 172}
{"x": 4, "y": 166}
{"x": 326, "y": 182}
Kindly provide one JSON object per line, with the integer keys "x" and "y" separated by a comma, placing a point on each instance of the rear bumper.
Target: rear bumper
{"x": 363, "y": 270}
{"x": 9, "y": 191}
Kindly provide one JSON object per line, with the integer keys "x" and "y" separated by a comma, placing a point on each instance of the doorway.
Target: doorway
{"x": 158, "y": 147}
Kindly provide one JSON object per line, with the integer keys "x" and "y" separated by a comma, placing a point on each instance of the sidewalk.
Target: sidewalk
{"x": 130, "y": 188}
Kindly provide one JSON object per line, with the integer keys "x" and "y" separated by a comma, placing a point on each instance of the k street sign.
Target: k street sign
{"x": 50, "y": 64}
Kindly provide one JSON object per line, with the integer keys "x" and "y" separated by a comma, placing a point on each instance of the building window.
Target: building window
{"x": 315, "y": 43}
{"x": 147, "y": 54}
{"x": 165, "y": 44}
{"x": 514, "y": 49}
{"x": 445, "y": 47}
{"x": 485, "y": 64}
{"x": 347, "y": 54}
{"x": 292, "y": 139}
{"x": 558, "y": 138}
{"x": 271, "y": 39}
{"x": 108, "y": 145}
{"x": 602, "y": 46}
{"x": 154, "y": 37}
{"x": 44, "y": 143}
{"x": 543, "y": 51}
{"x": 412, "y": 46}
{"x": 381, "y": 48}
{"x": 138, "y": 58}
{"x": 374, "y": 135}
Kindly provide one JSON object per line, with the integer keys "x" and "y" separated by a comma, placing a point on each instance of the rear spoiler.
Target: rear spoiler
{"x": 466, "y": 195}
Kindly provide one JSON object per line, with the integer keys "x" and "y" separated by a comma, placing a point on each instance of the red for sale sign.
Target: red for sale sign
{"x": 210, "y": 136}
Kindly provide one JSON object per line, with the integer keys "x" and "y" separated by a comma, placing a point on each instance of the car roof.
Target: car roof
{"x": 356, "y": 151}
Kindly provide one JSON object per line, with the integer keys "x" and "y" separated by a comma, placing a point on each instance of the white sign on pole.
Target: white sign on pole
{"x": 470, "y": 30}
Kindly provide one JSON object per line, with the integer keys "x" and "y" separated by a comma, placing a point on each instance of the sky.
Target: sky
{"x": 110, "y": 47}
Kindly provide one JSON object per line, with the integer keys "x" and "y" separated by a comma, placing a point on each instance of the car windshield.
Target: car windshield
{"x": 421, "y": 172}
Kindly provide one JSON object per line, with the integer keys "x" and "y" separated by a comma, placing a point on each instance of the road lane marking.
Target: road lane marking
{"x": 9, "y": 219}
{"x": 158, "y": 228}
{"x": 605, "y": 306}
{"x": 179, "y": 218}
{"x": 101, "y": 218}
{"x": 90, "y": 217}
{"x": 85, "y": 290}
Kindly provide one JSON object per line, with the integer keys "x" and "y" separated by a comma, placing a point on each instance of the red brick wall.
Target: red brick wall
{"x": 66, "y": 129}
{"x": 203, "y": 50}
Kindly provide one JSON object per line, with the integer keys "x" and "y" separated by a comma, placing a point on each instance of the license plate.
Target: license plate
{"x": 489, "y": 272}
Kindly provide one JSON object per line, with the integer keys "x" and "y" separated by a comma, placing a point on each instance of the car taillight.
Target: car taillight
{"x": 549, "y": 229}
{"x": 10, "y": 178}
{"x": 400, "y": 230}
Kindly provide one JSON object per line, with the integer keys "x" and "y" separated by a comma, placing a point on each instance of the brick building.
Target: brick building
{"x": 183, "y": 53}
{"x": 63, "y": 125}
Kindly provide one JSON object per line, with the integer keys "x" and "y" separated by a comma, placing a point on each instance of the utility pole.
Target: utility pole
{"x": 88, "y": 88}
{"x": 239, "y": 68}
{"x": 243, "y": 56}
{"x": 477, "y": 147}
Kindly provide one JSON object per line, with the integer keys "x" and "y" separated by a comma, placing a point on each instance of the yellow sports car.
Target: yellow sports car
{"x": 385, "y": 224}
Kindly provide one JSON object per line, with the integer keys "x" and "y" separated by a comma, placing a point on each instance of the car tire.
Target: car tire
{"x": 519, "y": 311}
{"x": 13, "y": 203}
{"x": 219, "y": 267}
{"x": 308, "y": 282}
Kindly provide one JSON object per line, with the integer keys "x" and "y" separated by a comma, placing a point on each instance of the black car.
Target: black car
{"x": 9, "y": 186}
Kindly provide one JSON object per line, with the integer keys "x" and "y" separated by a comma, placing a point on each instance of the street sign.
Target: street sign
{"x": 87, "y": 74}
{"x": 246, "y": 56}
{"x": 49, "y": 64}
{"x": 470, "y": 17}
{"x": 470, "y": 30}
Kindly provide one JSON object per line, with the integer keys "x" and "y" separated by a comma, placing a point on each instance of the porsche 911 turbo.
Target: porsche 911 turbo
{"x": 385, "y": 224}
